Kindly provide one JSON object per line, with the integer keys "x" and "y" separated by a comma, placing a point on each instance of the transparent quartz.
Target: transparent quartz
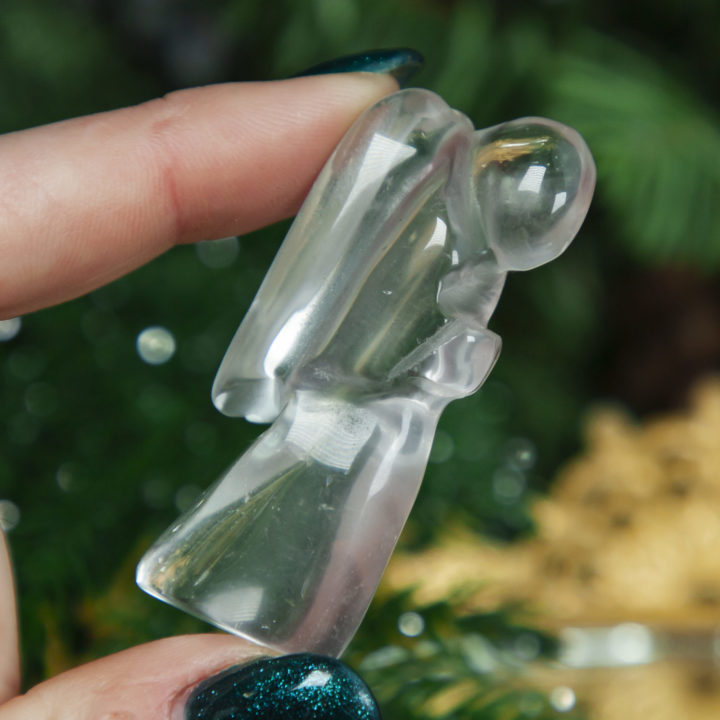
{"x": 372, "y": 317}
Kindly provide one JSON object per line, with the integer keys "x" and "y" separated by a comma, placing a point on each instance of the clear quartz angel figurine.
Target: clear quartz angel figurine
{"x": 371, "y": 319}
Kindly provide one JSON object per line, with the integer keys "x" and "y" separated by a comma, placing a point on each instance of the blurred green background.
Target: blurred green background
{"x": 99, "y": 450}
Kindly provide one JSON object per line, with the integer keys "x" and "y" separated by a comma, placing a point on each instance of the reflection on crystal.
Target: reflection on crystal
{"x": 439, "y": 234}
{"x": 560, "y": 200}
{"x": 155, "y": 345}
{"x": 240, "y": 604}
{"x": 285, "y": 339}
{"x": 532, "y": 180}
{"x": 382, "y": 155}
{"x": 9, "y": 515}
{"x": 9, "y": 328}
{"x": 384, "y": 471}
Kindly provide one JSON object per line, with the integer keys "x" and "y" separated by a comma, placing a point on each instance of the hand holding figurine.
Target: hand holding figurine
{"x": 372, "y": 318}
{"x": 88, "y": 200}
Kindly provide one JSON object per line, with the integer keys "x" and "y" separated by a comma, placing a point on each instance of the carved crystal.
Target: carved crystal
{"x": 372, "y": 318}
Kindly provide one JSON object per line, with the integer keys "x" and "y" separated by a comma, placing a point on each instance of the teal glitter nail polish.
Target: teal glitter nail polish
{"x": 401, "y": 63}
{"x": 292, "y": 687}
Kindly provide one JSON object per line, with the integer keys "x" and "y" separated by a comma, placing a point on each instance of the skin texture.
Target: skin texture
{"x": 146, "y": 682}
{"x": 84, "y": 201}
{"x": 9, "y": 658}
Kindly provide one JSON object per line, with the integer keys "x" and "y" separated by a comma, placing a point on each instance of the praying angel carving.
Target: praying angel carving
{"x": 372, "y": 318}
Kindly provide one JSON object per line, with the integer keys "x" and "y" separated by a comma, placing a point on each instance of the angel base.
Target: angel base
{"x": 288, "y": 548}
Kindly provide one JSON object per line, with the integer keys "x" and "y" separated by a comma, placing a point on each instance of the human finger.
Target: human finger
{"x": 86, "y": 200}
{"x": 140, "y": 683}
{"x": 9, "y": 656}
{"x": 162, "y": 681}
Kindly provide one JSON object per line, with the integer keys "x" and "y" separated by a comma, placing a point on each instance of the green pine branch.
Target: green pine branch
{"x": 437, "y": 662}
{"x": 657, "y": 148}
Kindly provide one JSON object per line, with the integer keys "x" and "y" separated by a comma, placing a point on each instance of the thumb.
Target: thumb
{"x": 159, "y": 681}
{"x": 143, "y": 683}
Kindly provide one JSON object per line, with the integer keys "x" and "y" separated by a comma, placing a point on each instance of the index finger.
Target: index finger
{"x": 86, "y": 200}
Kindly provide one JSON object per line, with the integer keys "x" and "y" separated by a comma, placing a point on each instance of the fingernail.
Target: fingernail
{"x": 401, "y": 63}
{"x": 292, "y": 687}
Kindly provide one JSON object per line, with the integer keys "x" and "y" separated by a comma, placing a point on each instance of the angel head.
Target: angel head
{"x": 532, "y": 181}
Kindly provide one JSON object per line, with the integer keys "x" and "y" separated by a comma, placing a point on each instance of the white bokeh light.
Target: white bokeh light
{"x": 155, "y": 345}
{"x": 631, "y": 644}
{"x": 218, "y": 254}
{"x": 9, "y": 328}
{"x": 520, "y": 453}
{"x": 508, "y": 485}
{"x": 411, "y": 624}
{"x": 616, "y": 646}
{"x": 9, "y": 515}
{"x": 562, "y": 698}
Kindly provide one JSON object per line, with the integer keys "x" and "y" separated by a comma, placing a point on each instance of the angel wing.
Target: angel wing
{"x": 377, "y": 179}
